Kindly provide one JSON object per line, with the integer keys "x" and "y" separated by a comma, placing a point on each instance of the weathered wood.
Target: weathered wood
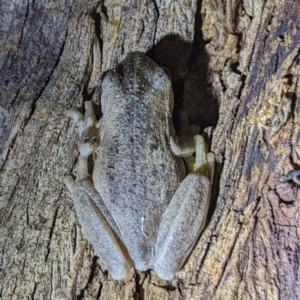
{"x": 239, "y": 75}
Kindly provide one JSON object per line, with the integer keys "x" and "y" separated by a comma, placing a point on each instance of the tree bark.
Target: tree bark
{"x": 234, "y": 64}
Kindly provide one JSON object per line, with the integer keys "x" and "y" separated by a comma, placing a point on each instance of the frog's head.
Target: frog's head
{"x": 135, "y": 77}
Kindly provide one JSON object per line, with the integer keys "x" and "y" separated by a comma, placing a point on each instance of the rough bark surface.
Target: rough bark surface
{"x": 235, "y": 64}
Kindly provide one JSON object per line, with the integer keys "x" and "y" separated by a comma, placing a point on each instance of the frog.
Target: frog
{"x": 145, "y": 203}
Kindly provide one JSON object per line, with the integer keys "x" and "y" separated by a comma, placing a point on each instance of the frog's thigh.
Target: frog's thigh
{"x": 181, "y": 224}
{"x": 98, "y": 231}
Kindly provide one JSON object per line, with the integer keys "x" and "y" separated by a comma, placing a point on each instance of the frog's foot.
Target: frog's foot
{"x": 185, "y": 216}
{"x": 88, "y": 125}
{"x": 183, "y": 145}
{"x": 202, "y": 162}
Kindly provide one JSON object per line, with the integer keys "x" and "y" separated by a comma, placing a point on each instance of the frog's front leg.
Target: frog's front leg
{"x": 184, "y": 145}
{"x": 92, "y": 213}
{"x": 185, "y": 216}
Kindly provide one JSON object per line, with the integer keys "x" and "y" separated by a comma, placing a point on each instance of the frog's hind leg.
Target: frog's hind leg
{"x": 98, "y": 231}
{"x": 185, "y": 216}
{"x": 93, "y": 216}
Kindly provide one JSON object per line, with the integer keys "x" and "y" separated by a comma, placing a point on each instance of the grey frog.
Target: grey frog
{"x": 140, "y": 196}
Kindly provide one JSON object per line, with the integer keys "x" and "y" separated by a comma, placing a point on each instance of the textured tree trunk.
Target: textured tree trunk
{"x": 235, "y": 64}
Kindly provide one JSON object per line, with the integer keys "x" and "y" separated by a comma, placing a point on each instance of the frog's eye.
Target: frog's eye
{"x": 159, "y": 78}
{"x": 168, "y": 72}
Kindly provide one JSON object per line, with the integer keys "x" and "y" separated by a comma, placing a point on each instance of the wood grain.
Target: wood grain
{"x": 234, "y": 64}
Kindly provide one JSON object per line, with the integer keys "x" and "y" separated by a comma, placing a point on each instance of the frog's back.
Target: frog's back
{"x": 135, "y": 172}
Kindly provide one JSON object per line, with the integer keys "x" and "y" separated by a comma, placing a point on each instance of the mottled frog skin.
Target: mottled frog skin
{"x": 139, "y": 189}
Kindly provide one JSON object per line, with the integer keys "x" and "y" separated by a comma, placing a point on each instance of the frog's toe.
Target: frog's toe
{"x": 141, "y": 265}
{"x": 75, "y": 114}
{"x": 119, "y": 273}
{"x": 86, "y": 149}
{"x": 203, "y": 162}
{"x": 163, "y": 272}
